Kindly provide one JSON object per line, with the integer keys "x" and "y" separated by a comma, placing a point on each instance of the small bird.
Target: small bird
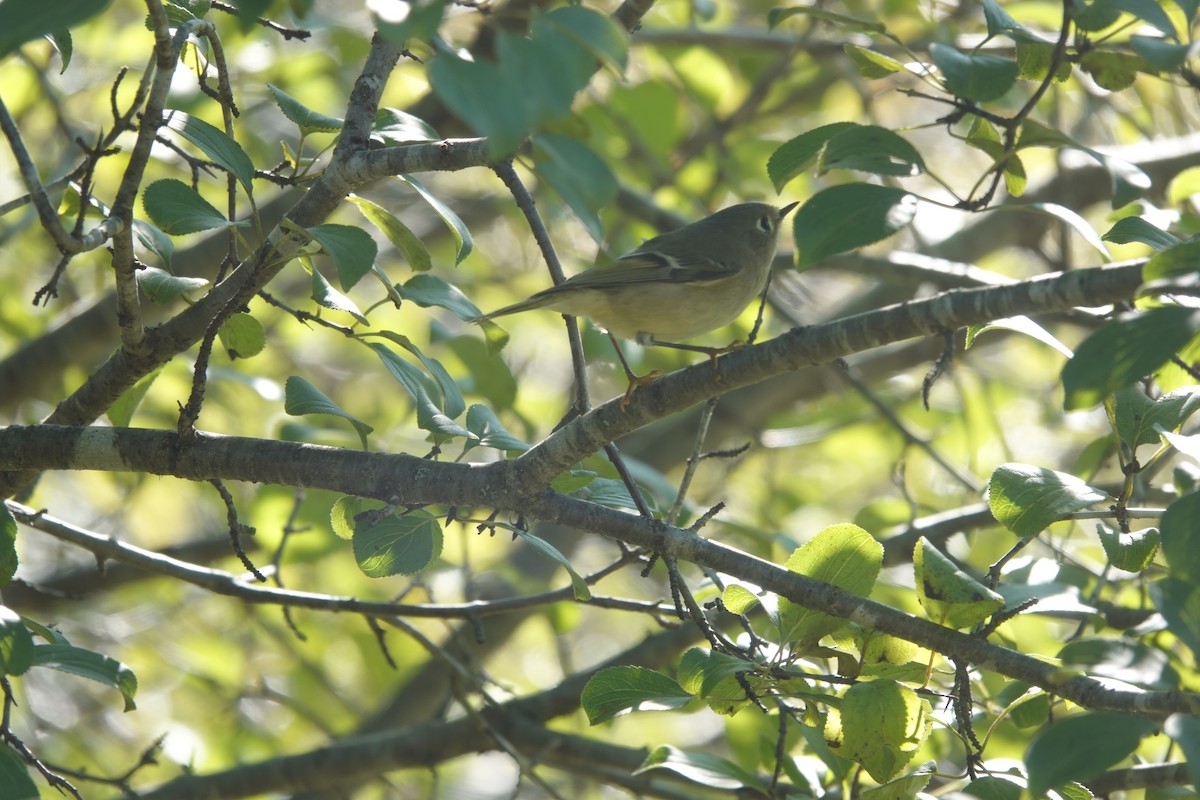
{"x": 675, "y": 286}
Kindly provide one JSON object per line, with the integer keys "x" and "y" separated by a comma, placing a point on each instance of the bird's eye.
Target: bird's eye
{"x": 765, "y": 224}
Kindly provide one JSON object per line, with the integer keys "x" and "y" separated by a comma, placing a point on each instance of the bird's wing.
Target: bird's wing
{"x": 650, "y": 267}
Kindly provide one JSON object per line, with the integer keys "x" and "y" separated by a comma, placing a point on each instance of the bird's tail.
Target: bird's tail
{"x": 538, "y": 300}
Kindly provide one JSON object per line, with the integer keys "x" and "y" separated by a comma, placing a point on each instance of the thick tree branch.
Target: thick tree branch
{"x": 820, "y": 344}
{"x": 159, "y": 452}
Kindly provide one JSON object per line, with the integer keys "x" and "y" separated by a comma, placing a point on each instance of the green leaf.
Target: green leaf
{"x": 178, "y": 209}
{"x": 950, "y": 596}
{"x": 324, "y": 295}
{"x": 447, "y": 387}
{"x": 879, "y": 724}
{"x": 1129, "y": 182}
{"x": 484, "y": 423}
{"x": 1028, "y": 499}
{"x": 430, "y": 290}
{"x": 399, "y": 234}
{"x": 1183, "y": 185}
{"x": 1125, "y": 660}
{"x": 705, "y": 769}
{"x": 88, "y": 664}
{"x": 422, "y": 390}
{"x": 1094, "y": 16}
{"x": 242, "y": 336}
{"x": 160, "y": 286}
{"x": 1082, "y": 747}
{"x": 1139, "y": 418}
{"x": 798, "y": 154}
{"x": 352, "y": 249}
{"x": 904, "y": 787}
{"x": 545, "y": 549}
{"x": 306, "y": 119}
{"x": 546, "y": 70}
{"x": 350, "y": 511}
{"x": 216, "y": 144}
{"x": 983, "y": 136}
{"x": 1034, "y": 59}
{"x": 737, "y": 599}
{"x": 395, "y": 127}
{"x": 974, "y": 76}
{"x": 485, "y": 98}
{"x": 597, "y": 34}
{"x": 1180, "y": 526}
{"x": 1133, "y": 551}
{"x": 1178, "y": 600}
{"x": 1112, "y": 70}
{"x": 64, "y": 45}
{"x": 1148, "y": 11}
{"x": 15, "y": 782}
{"x": 1125, "y": 351}
{"x": 1184, "y": 730}
{"x": 572, "y": 481}
{"x": 1022, "y": 325}
{"x": 616, "y": 690}
{"x": 844, "y": 555}
{"x": 1161, "y": 55}
{"x": 713, "y": 677}
{"x": 995, "y": 787}
{"x": 872, "y": 64}
{"x": 300, "y": 397}
{"x": 580, "y": 177}
{"x": 121, "y": 412}
{"x": 842, "y": 218}
{"x": 1182, "y": 259}
{"x": 23, "y": 21}
{"x": 459, "y": 230}
{"x": 1063, "y": 214}
{"x": 154, "y": 240}
{"x": 16, "y": 645}
{"x": 398, "y": 544}
{"x": 999, "y": 22}
{"x": 870, "y": 148}
{"x": 1136, "y": 229}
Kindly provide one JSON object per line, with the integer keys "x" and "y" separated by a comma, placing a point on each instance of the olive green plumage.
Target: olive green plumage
{"x": 675, "y": 286}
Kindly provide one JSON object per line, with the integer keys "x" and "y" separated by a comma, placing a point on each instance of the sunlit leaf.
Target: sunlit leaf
{"x": 301, "y": 397}
{"x": 306, "y": 119}
{"x": 1027, "y": 499}
{"x": 950, "y": 596}
{"x": 399, "y": 234}
{"x": 616, "y": 690}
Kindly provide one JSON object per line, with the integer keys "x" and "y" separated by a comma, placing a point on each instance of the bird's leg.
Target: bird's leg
{"x": 711, "y": 352}
{"x": 634, "y": 379}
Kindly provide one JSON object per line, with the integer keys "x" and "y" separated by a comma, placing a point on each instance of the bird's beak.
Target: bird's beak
{"x": 784, "y": 211}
